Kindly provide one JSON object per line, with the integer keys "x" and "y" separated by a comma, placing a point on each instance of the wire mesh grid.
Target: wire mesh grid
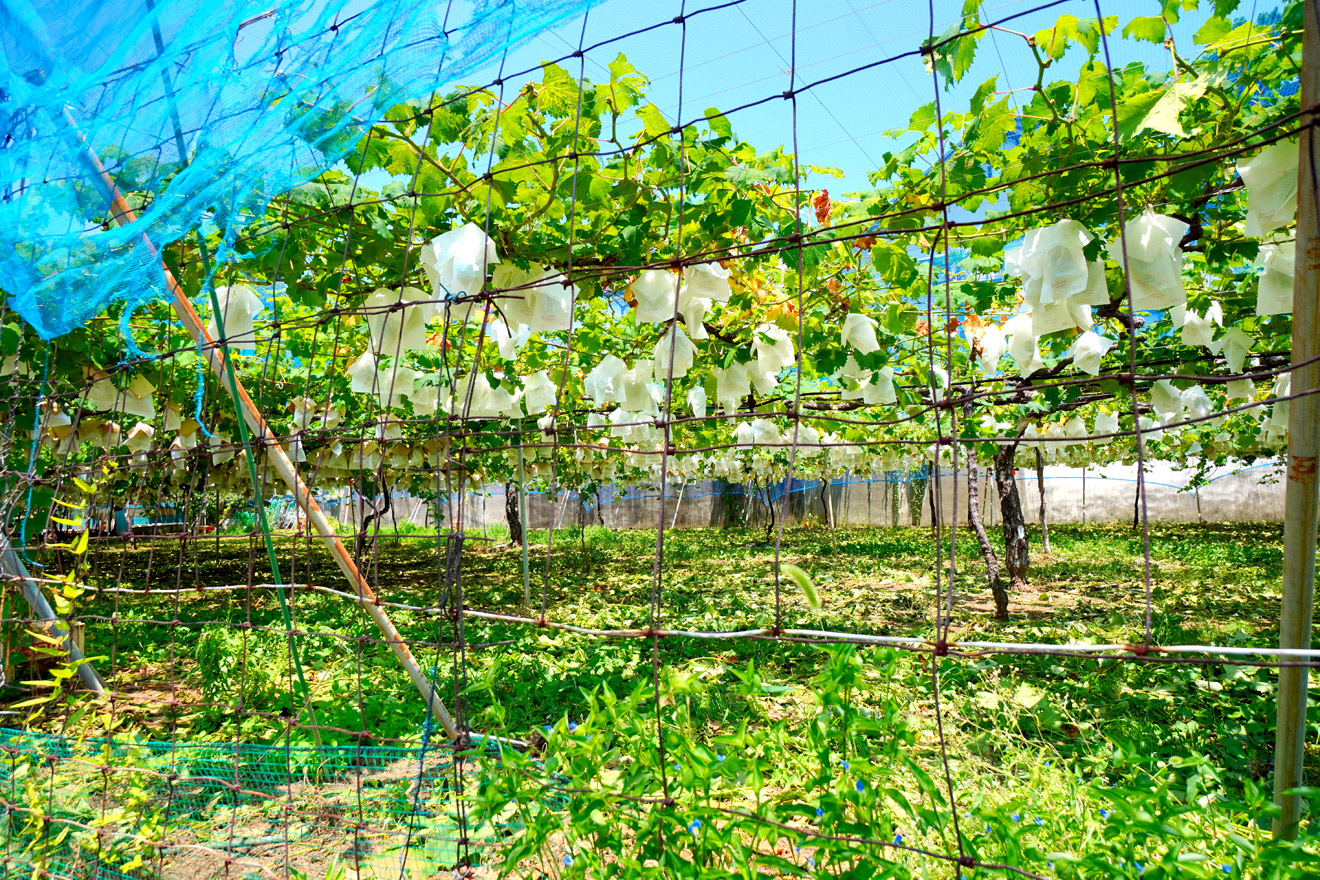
{"x": 108, "y": 781}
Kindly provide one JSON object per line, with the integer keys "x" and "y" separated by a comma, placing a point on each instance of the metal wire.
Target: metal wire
{"x": 465, "y": 439}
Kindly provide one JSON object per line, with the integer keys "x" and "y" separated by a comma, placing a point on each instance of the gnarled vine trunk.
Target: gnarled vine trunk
{"x": 931, "y": 488}
{"x": 1136, "y": 503}
{"x": 453, "y": 570}
{"x": 1014, "y": 522}
{"x": 511, "y": 515}
{"x": 1040, "y": 487}
{"x": 826, "y": 502}
{"x": 364, "y": 543}
{"x": 987, "y": 549}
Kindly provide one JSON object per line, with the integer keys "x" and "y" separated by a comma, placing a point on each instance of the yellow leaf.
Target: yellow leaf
{"x": 89, "y": 488}
{"x": 1163, "y": 117}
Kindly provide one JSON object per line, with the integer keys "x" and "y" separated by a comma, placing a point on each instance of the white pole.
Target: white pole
{"x": 678, "y": 503}
{"x": 13, "y": 568}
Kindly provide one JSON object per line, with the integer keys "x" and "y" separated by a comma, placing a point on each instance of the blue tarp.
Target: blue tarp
{"x": 202, "y": 114}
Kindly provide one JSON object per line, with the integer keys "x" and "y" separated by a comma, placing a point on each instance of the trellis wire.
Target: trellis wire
{"x": 452, "y": 603}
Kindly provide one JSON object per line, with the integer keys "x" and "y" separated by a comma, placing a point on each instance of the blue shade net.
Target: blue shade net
{"x": 202, "y": 113}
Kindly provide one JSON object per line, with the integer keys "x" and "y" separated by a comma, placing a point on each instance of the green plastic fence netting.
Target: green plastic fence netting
{"x": 249, "y": 799}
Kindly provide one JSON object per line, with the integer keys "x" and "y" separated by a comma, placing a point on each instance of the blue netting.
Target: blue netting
{"x": 203, "y": 113}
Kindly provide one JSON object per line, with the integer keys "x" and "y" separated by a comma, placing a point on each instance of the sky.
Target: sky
{"x": 731, "y": 54}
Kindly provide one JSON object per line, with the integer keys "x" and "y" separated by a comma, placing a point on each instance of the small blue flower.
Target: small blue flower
{"x": 987, "y": 827}
{"x": 1227, "y": 869}
{"x": 1016, "y": 817}
{"x": 1104, "y": 814}
{"x": 1040, "y": 821}
{"x": 568, "y": 860}
{"x": 720, "y": 757}
{"x": 898, "y": 838}
{"x": 861, "y": 786}
{"x": 1141, "y": 869}
{"x": 695, "y": 826}
{"x": 819, "y": 813}
{"x": 678, "y": 766}
{"x": 547, "y": 728}
{"x": 811, "y": 861}
{"x": 1049, "y": 864}
{"x": 1047, "y": 763}
{"x": 572, "y": 726}
{"x": 844, "y": 764}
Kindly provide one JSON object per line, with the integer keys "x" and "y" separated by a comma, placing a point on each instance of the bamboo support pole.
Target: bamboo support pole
{"x": 264, "y": 438}
{"x": 1300, "y": 499}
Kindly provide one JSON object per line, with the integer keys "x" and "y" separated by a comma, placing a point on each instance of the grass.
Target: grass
{"x": 1211, "y": 584}
{"x": 1025, "y": 734}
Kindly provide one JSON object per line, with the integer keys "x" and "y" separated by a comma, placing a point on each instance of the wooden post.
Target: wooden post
{"x": 264, "y": 437}
{"x": 1300, "y": 499}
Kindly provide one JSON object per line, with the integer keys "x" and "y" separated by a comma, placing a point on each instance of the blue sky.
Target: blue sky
{"x": 740, "y": 53}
